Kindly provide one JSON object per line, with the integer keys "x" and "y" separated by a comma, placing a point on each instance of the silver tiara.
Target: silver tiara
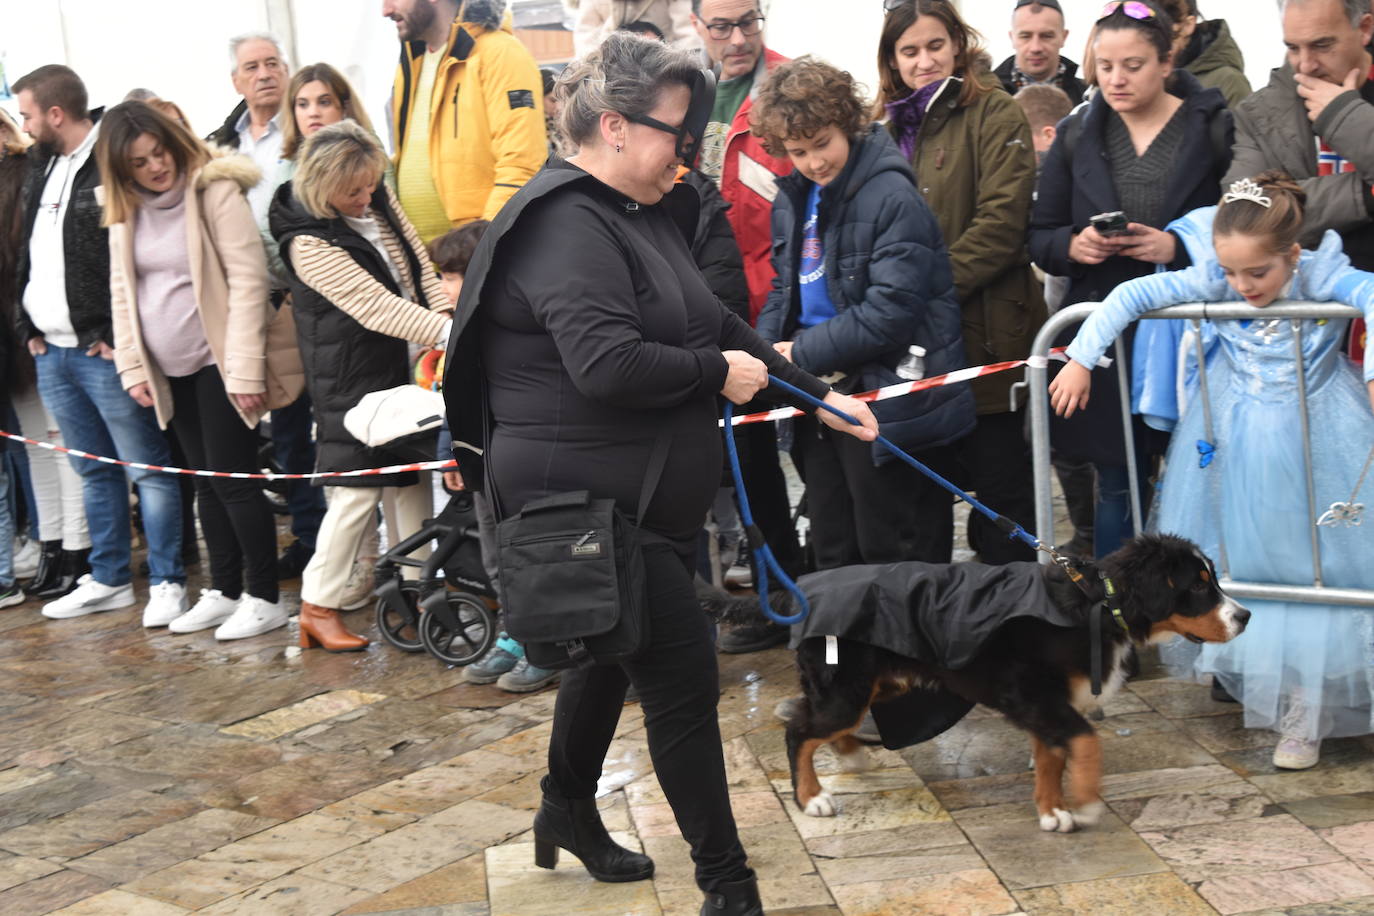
{"x": 1246, "y": 189}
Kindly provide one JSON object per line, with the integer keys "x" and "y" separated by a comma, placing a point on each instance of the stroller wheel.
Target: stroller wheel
{"x": 465, "y": 636}
{"x": 402, "y": 630}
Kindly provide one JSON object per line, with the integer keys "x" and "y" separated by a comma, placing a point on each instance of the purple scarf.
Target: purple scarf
{"x": 908, "y": 113}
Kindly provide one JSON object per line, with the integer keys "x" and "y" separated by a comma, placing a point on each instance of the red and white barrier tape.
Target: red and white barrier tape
{"x": 236, "y": 475}
{"x": 782, "y": 413}
{"x": 903, "y": 388}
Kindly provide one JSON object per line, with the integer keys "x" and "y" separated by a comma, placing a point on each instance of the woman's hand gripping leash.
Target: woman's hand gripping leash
{"x": 748, "y": 376}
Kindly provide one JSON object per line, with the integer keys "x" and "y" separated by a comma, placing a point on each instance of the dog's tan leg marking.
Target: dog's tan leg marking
{"x": 810, "y": 798}
{"x": 853, "y": 756}
{"x": 1049, "y": 794}
{"x": 1085, "y": 777}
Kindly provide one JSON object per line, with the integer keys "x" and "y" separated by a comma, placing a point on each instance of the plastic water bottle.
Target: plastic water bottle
{"x": 913, "y": 365}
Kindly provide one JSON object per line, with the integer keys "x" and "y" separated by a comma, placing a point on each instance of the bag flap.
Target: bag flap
{"x": 571, "y": 499}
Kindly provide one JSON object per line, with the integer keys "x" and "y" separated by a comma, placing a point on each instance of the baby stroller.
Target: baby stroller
{"x": 447, "y": 612}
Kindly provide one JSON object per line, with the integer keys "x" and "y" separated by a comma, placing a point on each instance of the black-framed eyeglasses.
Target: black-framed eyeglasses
{"x": 749, "y": 27}
{"x": 685, "y": 143}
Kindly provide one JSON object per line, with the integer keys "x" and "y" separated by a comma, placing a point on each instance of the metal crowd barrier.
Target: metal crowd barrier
{"x": 1037, "y": 376}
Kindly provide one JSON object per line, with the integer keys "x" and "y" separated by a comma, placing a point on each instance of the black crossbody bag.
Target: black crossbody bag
{"x": 573, "y": 586}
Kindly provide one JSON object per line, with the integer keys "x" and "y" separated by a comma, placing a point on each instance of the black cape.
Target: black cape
{"x": 939, "y": 614}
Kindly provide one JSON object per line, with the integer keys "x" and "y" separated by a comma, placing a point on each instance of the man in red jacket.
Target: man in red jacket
{"x": 732, "y": 35}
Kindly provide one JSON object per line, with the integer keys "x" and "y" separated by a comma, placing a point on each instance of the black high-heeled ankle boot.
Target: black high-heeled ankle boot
{"x": 574, "y": 824}
{"x": 49, "y": 568}
{"x": 74, "y": 564}
{"x": 737, "y": 898}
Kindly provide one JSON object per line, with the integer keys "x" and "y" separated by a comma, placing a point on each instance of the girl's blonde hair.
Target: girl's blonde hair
{"x": 1279, "y": 223}
{"x": 332, "y": 159}
{"x": 347, "y": 99}
{"x": 121, "y": 126}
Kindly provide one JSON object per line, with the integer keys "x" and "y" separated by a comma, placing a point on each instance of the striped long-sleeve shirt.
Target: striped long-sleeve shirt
{"x": 333, "y": 273}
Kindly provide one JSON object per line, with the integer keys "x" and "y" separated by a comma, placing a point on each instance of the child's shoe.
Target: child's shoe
{"x": 526, "y": 678}
{"x": 1296, "y": 751}
{"x": 1297, "y": 754}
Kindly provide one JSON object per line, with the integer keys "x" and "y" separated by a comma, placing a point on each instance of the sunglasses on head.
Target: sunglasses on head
{"x": 1133, "y": 8}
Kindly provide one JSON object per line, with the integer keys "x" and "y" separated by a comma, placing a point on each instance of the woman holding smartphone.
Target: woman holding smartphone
{"x": 1152, "y": 144}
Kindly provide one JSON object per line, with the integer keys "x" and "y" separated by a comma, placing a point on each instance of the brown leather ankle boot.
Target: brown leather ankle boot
{"x": 321, "y": 626}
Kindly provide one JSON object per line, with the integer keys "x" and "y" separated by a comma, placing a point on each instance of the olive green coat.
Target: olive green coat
{"x": 1219, "y": 64}
{"x": 976, "y": 168}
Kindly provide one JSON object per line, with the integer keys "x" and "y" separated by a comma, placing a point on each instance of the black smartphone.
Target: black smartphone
{"x": 1110, "y": 225}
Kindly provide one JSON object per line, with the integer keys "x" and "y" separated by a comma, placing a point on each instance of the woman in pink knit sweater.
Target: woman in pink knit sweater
{"x": 189, "y": 301}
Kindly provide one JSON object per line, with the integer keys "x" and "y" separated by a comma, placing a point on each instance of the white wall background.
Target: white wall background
{"x": 178, "y": 48}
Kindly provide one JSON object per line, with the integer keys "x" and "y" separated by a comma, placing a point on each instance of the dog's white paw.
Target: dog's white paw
{"x": 822, "y": 805}
{"x": 1058, "y": 820}
{"x": 1088, "y": 814}
{"x": 855, "y": 762}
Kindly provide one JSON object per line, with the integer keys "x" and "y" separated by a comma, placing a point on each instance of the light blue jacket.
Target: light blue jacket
{"x": 1324, "y": 275}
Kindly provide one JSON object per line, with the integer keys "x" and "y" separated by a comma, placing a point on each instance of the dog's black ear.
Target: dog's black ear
{"x": 1156, "y": 603}
{"x": 1147, "y": 572}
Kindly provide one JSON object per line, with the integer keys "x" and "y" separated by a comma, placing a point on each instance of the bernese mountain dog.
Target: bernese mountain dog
{"x": 1035, "y": 673}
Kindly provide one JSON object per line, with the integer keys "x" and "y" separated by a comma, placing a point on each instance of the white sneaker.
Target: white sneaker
{"x": 89, "y": 597}
{"x": 24, "y": 564}
{"x": 740, "y": 576}
{"x": 362, "y": 578}
{"x": 166, "y": 602}
{"x": 210, "y": 611}
{"x": 1297, "y": 753}
{"x": 253, "y": 617}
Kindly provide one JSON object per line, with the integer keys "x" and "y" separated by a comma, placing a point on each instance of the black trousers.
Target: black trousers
{"x": 678, "y": 686}
{"x": 996, "y": 462}
{"x": 767, "y": 488}
{"x": 861, "y": 513}
{"x": 240, "y": 533}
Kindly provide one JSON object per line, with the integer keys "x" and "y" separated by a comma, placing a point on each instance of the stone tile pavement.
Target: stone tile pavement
{"x": 148, "y": 773}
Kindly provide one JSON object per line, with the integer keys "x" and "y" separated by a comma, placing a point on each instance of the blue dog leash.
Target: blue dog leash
{"x": 764, "y": 561}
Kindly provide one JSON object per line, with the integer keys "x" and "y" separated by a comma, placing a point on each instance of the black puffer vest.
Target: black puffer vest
{"x": 344, "y": 360}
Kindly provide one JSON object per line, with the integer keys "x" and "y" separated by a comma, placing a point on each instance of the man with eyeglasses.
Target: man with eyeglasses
{"x": 732, "y": 38}
{"x": 1037, "y": 33}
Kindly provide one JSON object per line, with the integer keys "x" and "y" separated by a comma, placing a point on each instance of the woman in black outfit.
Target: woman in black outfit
{"x": 595, "y": 335}
{"x": 1154, "y": 144}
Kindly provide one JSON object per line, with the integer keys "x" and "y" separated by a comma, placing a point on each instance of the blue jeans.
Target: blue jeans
{"x": 1112, "y": 526}
{"x": 295, "y": 453}
{"x": 96, "y": 415}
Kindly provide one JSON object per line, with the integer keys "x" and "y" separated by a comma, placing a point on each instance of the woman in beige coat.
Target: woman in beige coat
{"x": 189, "y": 301}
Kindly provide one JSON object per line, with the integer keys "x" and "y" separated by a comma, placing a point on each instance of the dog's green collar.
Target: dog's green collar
{"x": 1114, "y": 605}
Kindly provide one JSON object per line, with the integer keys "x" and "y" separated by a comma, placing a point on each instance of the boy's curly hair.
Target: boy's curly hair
{"x": 804, "y": 96}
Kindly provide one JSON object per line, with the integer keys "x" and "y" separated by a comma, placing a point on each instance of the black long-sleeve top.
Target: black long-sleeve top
{"x": 597, "y": 331}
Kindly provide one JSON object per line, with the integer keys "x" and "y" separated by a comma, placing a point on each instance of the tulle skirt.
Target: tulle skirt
{"x": 1305, "y": 670}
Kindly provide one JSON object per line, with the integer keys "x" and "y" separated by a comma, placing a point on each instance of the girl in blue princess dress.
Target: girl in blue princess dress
{"x": 1304, "y": 670}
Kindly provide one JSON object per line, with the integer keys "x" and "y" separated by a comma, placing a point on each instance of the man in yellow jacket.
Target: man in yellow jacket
{"x": 467, "y": 111}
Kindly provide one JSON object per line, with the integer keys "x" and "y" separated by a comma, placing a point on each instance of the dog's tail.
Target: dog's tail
{"x": 723, "y": 607}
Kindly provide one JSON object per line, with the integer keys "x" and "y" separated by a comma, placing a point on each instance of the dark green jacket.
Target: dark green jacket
{"x": 975, "y": 166}
{"x": 1214, "y": 58}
